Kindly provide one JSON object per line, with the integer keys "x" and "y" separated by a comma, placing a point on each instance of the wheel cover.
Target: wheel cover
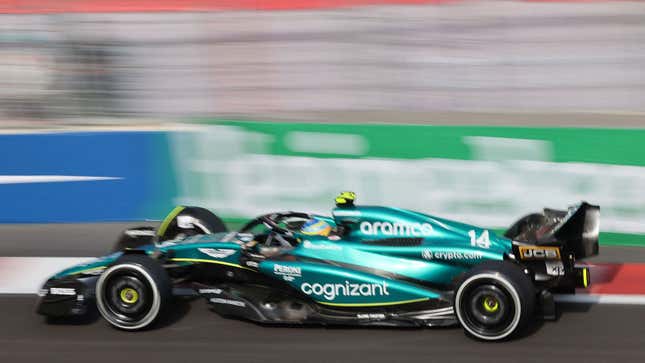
{"x": 127, "y": 297}
{"x": 488, "y": 306}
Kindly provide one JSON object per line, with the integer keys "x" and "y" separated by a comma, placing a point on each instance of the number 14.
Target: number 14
{"x": 483, "y": 241}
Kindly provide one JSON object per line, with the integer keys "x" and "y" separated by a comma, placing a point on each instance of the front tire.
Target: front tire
{"x": 495, "y": 300}
{"x": 133, "y": 293}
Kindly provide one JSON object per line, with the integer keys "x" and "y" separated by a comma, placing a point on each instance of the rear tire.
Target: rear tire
{"x": 134, "y": 238}
{"x": 205, "y": 222}
{"x": 133, "y": 293}
{"x": 495, "y": 300}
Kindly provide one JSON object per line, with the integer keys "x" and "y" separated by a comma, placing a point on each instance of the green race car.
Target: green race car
{"x": 363, "y": 265}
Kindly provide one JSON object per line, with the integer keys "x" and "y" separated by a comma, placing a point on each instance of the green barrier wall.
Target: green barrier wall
{"x": 488, "y": 176}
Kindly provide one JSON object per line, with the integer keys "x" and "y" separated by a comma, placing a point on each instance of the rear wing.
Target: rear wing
{"x": 575, "y": 229}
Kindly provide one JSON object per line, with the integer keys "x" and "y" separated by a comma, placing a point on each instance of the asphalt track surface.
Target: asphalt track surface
{"x": 598, "y": 333}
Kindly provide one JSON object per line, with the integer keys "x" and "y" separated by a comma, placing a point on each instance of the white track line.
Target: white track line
{"x": 25, "y": 275}
{"x": 602, "y": 299}
{"x": 30, "y": 179}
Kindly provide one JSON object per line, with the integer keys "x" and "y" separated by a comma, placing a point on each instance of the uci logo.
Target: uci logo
{"x": 539, "y": 253}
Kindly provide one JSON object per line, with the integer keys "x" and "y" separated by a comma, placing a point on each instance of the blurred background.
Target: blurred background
{"x": 87, "y": 61}
{"x": 482, "y": 111}
{"x": 476, "y": 110}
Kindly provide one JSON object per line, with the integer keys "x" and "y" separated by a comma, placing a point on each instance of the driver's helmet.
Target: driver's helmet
{"x": 316, "y": 227}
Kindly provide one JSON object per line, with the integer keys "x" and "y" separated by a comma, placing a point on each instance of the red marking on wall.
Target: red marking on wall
{"x": 613, "y": 279}
{"x": 118, "y": 6}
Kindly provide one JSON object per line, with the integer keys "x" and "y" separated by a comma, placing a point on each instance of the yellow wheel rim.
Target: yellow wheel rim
{"x": 491, "y": 305}
{"x": 129, "y": 295}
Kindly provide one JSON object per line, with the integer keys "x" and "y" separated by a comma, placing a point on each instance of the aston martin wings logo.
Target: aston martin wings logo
{"x": 217, "y": 252}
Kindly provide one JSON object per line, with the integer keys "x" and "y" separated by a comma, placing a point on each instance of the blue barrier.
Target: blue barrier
{"x": 84, "y": 176}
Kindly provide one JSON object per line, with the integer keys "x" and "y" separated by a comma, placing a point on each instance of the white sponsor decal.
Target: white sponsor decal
{"x": 288, "y": 273}
{"x": 210, "y": 291}
{"x": 396, "y": 229}
{"x": 371, "y": 316}
{"x": 321, "y": 246}
{"x": 217, "y": 252}
{"x": 331, "y": 291}
{"x": 219, "y": 300}
{"x": 140, "y": 233}
{"x": 554, "y": 268}
{"x": 451, "y": 255}
{"x": 62, "y": 291}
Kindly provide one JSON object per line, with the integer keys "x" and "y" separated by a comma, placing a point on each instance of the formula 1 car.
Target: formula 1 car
{"x": 368, "y": 266}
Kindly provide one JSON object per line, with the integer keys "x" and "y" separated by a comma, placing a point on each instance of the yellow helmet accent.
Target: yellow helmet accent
{"x": 345, "y": 198}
